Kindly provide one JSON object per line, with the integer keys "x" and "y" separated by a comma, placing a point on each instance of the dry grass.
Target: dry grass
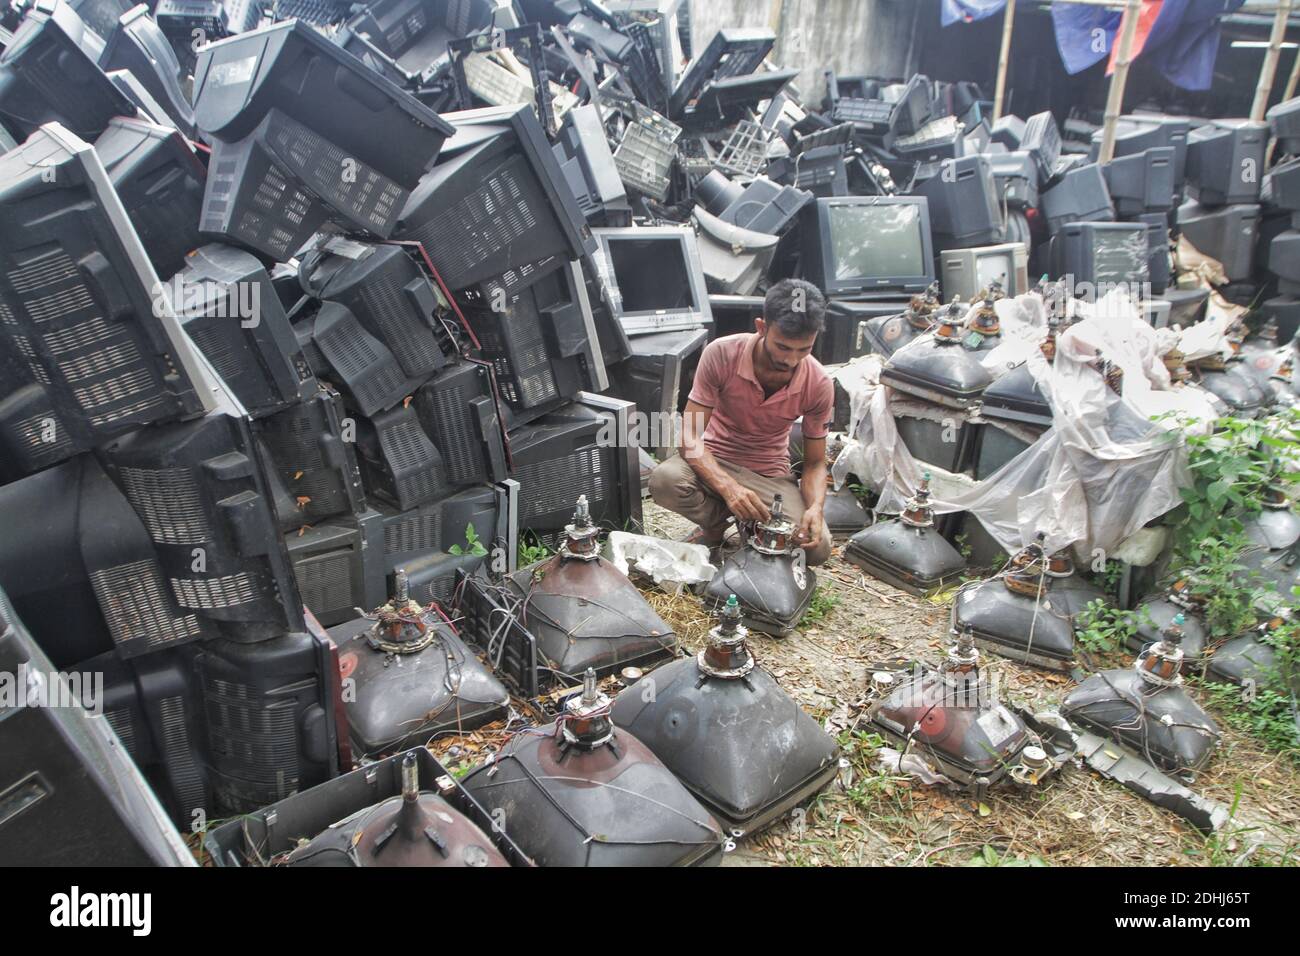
{"x": 871, "y": 817}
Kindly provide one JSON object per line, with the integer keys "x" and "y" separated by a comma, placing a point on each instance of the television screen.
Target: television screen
{"x": 651, "y": 275}
{"x": 997, "y": 268}
{"x": 870, "y": 240}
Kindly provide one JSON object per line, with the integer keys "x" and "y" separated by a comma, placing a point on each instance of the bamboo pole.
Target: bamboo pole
{"x": 1269, "y": 69}
{"x": 1115, "y": 98}
{"x": 1004, "y": 59}
{"x": 1286, "y": 95}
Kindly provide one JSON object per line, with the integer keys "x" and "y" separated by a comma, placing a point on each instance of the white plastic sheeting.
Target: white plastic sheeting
{"x": 671, "y": 564}
{"x": 1102, "y": 472}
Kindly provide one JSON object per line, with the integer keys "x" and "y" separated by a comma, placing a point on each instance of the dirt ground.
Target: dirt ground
{"x": 874, "y": 818}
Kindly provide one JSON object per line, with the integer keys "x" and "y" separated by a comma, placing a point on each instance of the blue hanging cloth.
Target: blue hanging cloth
{"x": 968, "y": 11}
{"x": 1182, "y": 41}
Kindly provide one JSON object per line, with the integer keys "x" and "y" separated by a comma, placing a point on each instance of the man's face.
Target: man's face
{"x": 783, "y": 352}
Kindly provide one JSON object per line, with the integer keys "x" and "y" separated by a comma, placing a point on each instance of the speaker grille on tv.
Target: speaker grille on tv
{"x": 407, "y": 338}
{"x": 412, "y": 532}
{"x": 261, "y": 738}
{"x": 495, "y": 216}
{"x": 412, "y": 459}
{"x": 99, "y": 361}
{"x": 215, "y": 346}
{"x": 230, "y": 590}
{"x": 169, "y": 503}
{"x": 325, "y": 581}
{"x": 36, "y": 452}
{"x": 367, "y": 369}
{"x": 136, "y": 608}
{"x": 546, "y": 487}
{"x": 178, "y": 757}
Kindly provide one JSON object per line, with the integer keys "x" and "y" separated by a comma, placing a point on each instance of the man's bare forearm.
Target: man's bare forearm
{"x": 812, "y": 485}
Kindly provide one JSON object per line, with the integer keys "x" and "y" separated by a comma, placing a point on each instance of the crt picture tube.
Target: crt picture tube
{"x": 651, "y": 274}
{"x": 991, "y": 268}
{"x": 876, "y": 241}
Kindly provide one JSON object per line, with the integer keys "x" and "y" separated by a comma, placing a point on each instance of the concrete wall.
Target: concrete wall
{"x": 848, "y": 36}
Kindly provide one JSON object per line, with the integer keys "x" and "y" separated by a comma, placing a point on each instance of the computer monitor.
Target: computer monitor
{"x": 458, "y": 411}
{"x": 765, "y": 206}
{"x": 856, "y": 327}
{"x": 1042, "y": 139}
{"x": 731, "y": 52}
{"x": 80, "y": 566}
{"x": 200, "y": 489}
{"x": 1016, "y": 175}
{"x": 587, "y": 164}
{"x": 269, "y": 711}
{"x": 1225, "y": 161}
{"x": 912, "y": 108}
{"x": 542, "y": 344}
{"x": 1284, "y": 259}
{"x": 657, "y": 379}
{"x": 1282, "y": 186}
{"x": 1141, "y": 182}
{"x": 1226, "y": 234}
{"x": 1008, "y": 130}
{"x": 496, "y": 209}
{"x": 229, "y": 309}
{"x": 160, "y": 183}
{"x": 311, "y": 454}
{"x": 389, "y": 294}
{"x": 965, "y": 272}
{"x": 139, "y": 45}
{"x": 1080, "y": 195}
{"x": 49, "y": 74}
{"x": 250, "y": 198}
{"x": 964, "y": 204}
{"x": 1101, "y": 253}
{"x": 577, "y": 450}
{"x": 653, "y": 278}
{"x": 414, "y": 33}
{"x": 727, "y": 101}
{"x": 1284, "y": 121}
{"x": 362, "y": 367}
{"x": 80, "y": 799}
{"x": 1174, "y": 129}
{"x": 399, "y": 462}
{"x": 734, "y": 313}
{"x": 819, "y": 170}
{"x": 734, "y": 259}
{"x": 868, "y": 244}
{"x": 80, "y": 300}
{"x": 437, "y": 528}
{"x": 355, "y": 194}
{"x": 238, "y": 81}
{"x": 338, "y": 563}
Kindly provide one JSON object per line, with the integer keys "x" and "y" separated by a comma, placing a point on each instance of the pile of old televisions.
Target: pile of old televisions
{"x": 331, "y": 313}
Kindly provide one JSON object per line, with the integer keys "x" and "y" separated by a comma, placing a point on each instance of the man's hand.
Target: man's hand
{"x": 810, "y": 528}
{"x": 745, "y": 504}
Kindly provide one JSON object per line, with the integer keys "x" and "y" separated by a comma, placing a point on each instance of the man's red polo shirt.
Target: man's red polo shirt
{"x": 746, "y": 428}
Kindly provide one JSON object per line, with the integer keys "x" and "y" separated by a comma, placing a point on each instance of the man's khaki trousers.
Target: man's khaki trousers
{"x": 675, "y": 486}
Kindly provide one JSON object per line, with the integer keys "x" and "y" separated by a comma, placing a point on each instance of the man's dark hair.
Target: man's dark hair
{"x": 795, "y": 307}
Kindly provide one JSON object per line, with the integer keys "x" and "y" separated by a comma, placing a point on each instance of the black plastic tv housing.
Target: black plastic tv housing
{"x": 496, "y": 209}
{"x": 49, "y": 73}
